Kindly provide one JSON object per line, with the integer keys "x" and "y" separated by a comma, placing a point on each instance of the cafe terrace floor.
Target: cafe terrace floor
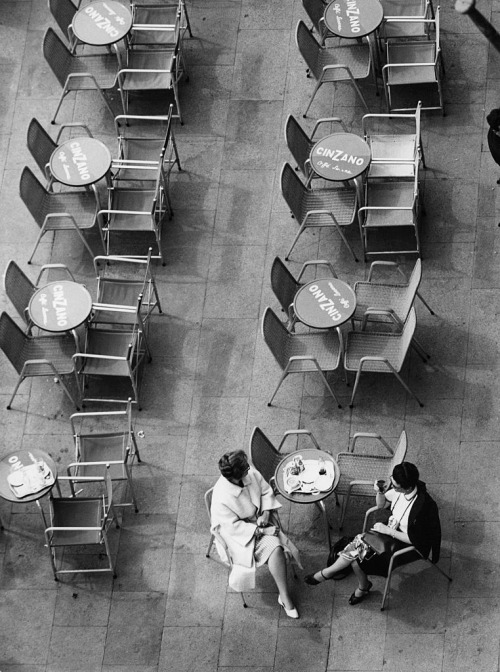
{"x": 170, "y": 608}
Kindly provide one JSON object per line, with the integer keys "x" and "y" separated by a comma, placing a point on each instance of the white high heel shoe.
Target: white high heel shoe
{"x": 291, "y": 613}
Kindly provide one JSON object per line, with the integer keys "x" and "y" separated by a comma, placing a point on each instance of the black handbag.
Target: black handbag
{"x": 382, "y": 543}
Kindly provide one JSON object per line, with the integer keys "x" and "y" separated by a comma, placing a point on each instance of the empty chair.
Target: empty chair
{"x": 315, "y": 10}
{"x": 158, "y": 25}
{"x": 145, "y": 143}
{"x": 63, "y": 12}
{"x": 62, "y": 211}
{"x": 300, "y": 144}
{"x": 37, "y": 356}
{"x": 42, "y": 146}
{"x": 339, "y": 64}
{"x": 301, "y": 353}
{"x": 359, "y": 471}
{"x": 152, "y": 70}
{"x": 382, "y": 301}
{"x": 120, "y": 283}
{"x": 79, "y": 73}
{"x": 140, "y": 210}
{"x": 396, "y": 13}
{"x": 111, "y": 361}
{"x": 410, "y": 63}
{"x": 19, "y": 288}
{"x": 395, "y": 144}
{"x": 334, "y": 207}
{"x": 285, "y": 286}
{"x": 376, "y": 352}
{"x": 78, "y": 521}
{"x": 105, "y": 438}
{"x": 389, "y": 217}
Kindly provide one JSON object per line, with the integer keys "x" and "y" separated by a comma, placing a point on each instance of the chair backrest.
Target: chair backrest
{"x": 63, "y": 12}
{"x": 283, "y": 284}
{"x": 12, "y": 341}
{"x": 405, "y": 339}
{"x": 414, "y": 282}
{"x": 309, "y": 48}
{"x": 263, "y": 455}
{"x": 33, "y": 194}
{"x": 400, "y": 450}
{"x": 276, "y": 336}
{"x": 59, "y": 58}
{"x": 293, "y": 191}
{"x": 298, "y": 142}
{"x": 40, "y": 145}
{"x": 19, "y": 289}
{"x": 315, "y": 10}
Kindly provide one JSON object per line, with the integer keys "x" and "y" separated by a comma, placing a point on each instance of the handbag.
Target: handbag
{"x": 382, "y": 543}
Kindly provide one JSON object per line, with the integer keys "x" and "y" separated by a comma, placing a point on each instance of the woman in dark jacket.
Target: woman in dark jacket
{"x": 414, "y": 520}
{"x": 493, "y": 120}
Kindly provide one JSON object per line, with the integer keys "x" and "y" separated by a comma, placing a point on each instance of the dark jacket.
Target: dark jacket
{"x": 424, "y": 527}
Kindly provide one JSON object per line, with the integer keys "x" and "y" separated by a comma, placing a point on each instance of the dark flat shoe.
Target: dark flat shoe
{"x": 354, "y": 599}
{"x": 311, "y": 581}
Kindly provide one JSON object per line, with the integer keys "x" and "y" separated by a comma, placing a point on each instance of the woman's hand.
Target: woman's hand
{"x": 263, "y": 519}
{"x": 383, "y": 529}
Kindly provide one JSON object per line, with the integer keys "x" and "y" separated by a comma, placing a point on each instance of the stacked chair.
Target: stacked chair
{"x": 389, "y": 196}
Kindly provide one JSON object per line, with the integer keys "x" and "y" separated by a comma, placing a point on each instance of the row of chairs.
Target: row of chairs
{"x": 405, "y": 52}
{"x": 153, "y": 59}
{"x": 114, "y": 345}
{"x": 138, "y": 194}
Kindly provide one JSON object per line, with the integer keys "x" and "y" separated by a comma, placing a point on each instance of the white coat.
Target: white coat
{"x": 231, "y": 508}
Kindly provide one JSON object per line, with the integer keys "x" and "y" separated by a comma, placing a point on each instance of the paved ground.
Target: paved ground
{"x": 169, "y": 608}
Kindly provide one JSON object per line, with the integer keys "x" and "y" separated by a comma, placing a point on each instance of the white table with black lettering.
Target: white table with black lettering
{"x": 353, "y": 18}
{"x": 324, "y": 303}
{"x": 80, "y": 162}
{"x": 60, "y": 306}
{"x": 102, "y": 23}
{"x": 340, "y": 157}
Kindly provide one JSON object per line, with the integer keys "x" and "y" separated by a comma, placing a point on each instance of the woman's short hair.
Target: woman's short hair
{"x": 233, "y": 464}
{"x": 406, "y": 475}
{"x": 493, "y": 119}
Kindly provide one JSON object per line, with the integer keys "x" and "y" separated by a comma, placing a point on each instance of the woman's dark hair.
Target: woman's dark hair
{"x": 406, "y": 475}
{"x": 233, "y": 464}
{"x": 493, "y": 119}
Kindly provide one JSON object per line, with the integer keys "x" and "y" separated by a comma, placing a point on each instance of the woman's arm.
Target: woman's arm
{"x": 396, "y": 534}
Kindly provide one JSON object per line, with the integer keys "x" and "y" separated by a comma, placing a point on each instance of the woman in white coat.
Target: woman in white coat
{"x": 243, "y": 513}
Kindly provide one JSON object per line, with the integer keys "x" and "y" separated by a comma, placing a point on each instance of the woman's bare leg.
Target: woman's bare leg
{"x": 277, "y": 567}
{"x": 362, "y": 580}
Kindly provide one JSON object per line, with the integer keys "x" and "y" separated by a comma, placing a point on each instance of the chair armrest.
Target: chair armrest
{"x": 327, "y": 120}
{"x": 298, "y": 432}
{"x": 370, "y": 435}
{"x": 368, "y": 512}
{"x": 318, "y": 262}
{"x": 391, "y": 264}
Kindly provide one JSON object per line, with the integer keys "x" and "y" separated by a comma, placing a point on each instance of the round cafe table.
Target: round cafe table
{"x": 60, "y": 306}
{"x": 102, "y": 23}
{"x": 340, "y": 156}
{"x": 353, "y": 18}
{"x": 307, "y": 497}
{"x": 81, "y": 161}
{"x": 324, "y": 303}
{"x": 18, "y": 459}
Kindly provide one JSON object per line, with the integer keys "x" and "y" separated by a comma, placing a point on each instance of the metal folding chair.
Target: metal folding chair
{"x": 334, "y": 207}
{"x": 96, "y": 448}
{"x": 359, "y": 471}
{"x": 301, "y": 353}
{"x": 81, "y": 521}
{"x": 37, "y": 356}
{"x": 60, "y": 211}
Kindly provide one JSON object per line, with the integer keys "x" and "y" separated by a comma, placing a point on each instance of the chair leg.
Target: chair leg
{"x": 283, "y": 376}
{"x": 132, "y": 490}
{"x": 20, "y": 380}
{"x": 108, "y": 553}
{"x": 358, "y": 90}
{"x": 425, "y": 303}
{"x": 301, "y": 230}
{"x": 408, "y": 389}
{"x": 432, "y": 564}
{"x": 37, "y": 242}
{"x": 386, "y": 588}
{"x": 207, "y": 554}
{"x": 346, "y": 242}
{"x": 354, "y": 389}
{"x": 63, "y": 95}
{"x": 316, "y": 88}
{"x": 321, "y": 506}
{"x": 67, "y": 392}
{"x": 245, "y": 605}
{"x": 329, "y": 388}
